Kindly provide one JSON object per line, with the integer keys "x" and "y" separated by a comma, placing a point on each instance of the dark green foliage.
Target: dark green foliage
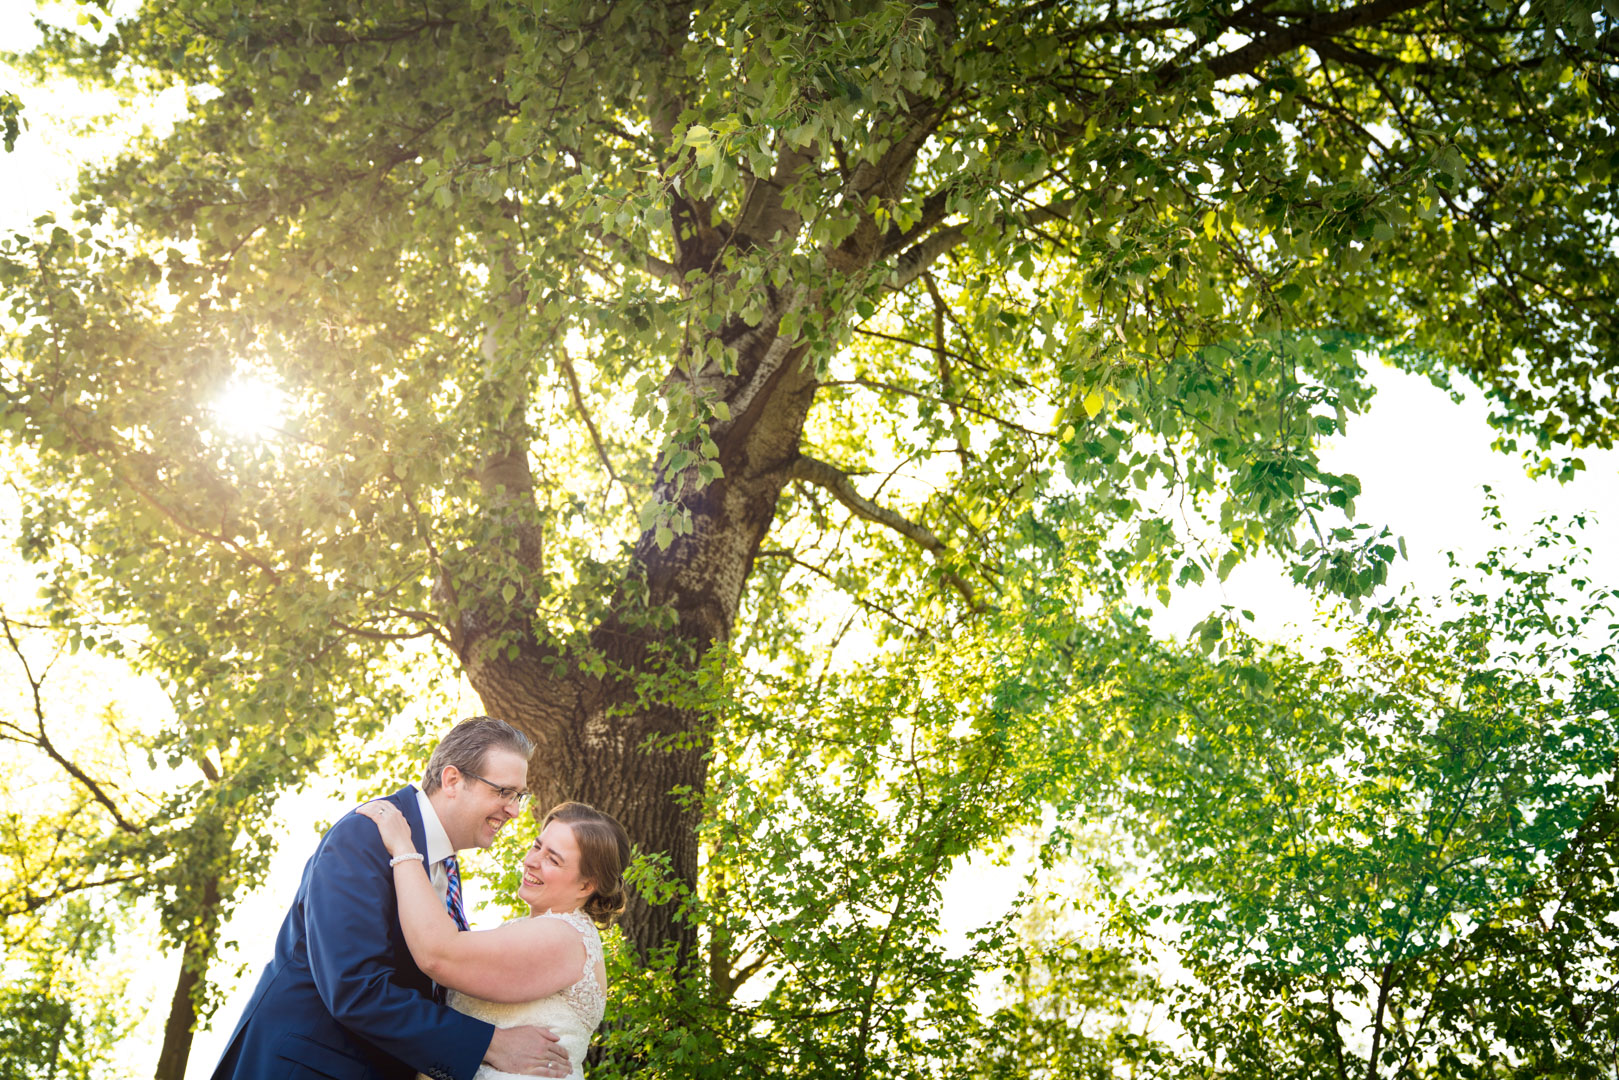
{"x": 60, "y": 1014}
{"x": 616, "y": 338}
{"x": 1396, "y": 859}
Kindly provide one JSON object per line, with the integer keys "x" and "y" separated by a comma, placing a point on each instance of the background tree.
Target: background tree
{"x": 99, "y": 833}
{"x": 60, "y": 1013}
{"x": 91, "y": 824}
{"x": 1396, "y": 859}
{"x": 597, "y": 323}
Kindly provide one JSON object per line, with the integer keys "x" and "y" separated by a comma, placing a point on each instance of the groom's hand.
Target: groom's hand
{"x": 531, "y": 1051}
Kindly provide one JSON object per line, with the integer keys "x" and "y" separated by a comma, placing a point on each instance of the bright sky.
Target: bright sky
{"x": 1423, "y": 463}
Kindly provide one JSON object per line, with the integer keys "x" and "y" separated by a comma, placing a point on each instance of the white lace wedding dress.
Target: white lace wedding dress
{"x": 572, "y": 1012}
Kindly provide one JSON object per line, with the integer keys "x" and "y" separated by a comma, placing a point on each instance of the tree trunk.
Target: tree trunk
{"x": 181, "y": 1027}
{"x": 592, "y": 732}
{"x": 601, "y": 738}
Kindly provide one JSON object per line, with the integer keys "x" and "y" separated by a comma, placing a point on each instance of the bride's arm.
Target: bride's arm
{"x": 516, "y": 962}
{"x": 520, "y": 961}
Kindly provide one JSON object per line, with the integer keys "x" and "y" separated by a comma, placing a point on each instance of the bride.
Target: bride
{"x": 545, "y": 970}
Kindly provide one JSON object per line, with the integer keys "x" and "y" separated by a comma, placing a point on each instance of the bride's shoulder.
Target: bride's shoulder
{"x": 541, "y": 936}
{"x": 577, "y": 920}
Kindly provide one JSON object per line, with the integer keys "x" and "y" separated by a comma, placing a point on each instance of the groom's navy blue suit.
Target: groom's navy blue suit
{"x": 343, "y": 998}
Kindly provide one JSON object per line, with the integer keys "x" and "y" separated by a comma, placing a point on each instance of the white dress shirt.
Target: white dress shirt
{"x": 438, "y": 846}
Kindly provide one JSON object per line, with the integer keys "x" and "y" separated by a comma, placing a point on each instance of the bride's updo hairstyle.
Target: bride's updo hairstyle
{"x": 604, "y": 852}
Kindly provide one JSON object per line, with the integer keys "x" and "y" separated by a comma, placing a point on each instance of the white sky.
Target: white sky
{"x": 1422, "y": 462}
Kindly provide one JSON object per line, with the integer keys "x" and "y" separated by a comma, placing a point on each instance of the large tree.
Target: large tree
{"x": 607, "y": 332}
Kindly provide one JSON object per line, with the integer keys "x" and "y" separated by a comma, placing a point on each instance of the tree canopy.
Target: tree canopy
{"x": 599, "y": 342}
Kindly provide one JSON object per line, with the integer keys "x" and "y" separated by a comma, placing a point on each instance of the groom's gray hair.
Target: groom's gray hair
{"x": 468, "y": 743}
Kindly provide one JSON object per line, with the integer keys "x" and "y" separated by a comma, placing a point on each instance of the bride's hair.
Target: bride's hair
{"x": 604, "y": 852}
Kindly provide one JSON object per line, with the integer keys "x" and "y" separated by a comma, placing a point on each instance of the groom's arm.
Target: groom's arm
{"x": 348, "y": 918}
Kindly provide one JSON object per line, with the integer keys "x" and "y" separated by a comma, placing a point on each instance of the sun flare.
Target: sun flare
{"x": 249, "y": 408}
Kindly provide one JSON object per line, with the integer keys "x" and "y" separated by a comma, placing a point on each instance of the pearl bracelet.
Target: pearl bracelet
{"x": 409, "y": 855}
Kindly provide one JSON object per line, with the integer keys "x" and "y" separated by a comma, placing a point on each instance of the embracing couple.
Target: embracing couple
{"x": 373, "y": 977}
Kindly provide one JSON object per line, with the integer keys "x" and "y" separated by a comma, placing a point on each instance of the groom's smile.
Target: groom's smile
{"x": 477, "y": 805}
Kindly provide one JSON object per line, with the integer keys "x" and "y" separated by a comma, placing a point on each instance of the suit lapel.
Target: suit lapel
{"x": 407, "y": 803}
{"x": 405, "y": 799}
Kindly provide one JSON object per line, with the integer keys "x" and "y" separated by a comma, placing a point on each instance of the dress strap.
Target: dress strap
{"x": 593, "y": 943}
{"x": 586, "y": 926}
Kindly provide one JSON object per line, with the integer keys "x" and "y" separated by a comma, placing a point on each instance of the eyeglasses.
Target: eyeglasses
{"x": 507, "y": 795}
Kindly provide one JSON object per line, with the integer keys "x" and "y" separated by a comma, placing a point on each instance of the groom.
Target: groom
{"x": 342, "y": 998}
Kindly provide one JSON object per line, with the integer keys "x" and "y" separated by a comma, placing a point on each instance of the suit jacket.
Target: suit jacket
{"x": 342, "y": 998}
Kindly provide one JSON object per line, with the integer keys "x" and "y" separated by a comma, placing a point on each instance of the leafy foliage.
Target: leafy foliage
{"x": 60, "y": 1013}
{"x": 1077, "y": 1008}
{"x": 1383, "y": 840}
{"x": 836, "y": 817}
{"x": 1394, "y": 858}
{"x": 596, "y": 341}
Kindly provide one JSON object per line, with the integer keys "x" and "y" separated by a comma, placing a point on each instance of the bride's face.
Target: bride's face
{"x": 551, "y": 880}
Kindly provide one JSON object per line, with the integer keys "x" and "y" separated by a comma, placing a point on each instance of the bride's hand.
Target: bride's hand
{"x": 391, "y": 823}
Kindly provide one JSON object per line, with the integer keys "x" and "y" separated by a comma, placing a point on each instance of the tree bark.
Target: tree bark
{"x": 181, "y": 1027}
{"x": 600, "y": 738}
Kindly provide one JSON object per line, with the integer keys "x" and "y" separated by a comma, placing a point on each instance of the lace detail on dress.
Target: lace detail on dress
{"x": 587, "y": 996}
{"x": 572, "y": 1013}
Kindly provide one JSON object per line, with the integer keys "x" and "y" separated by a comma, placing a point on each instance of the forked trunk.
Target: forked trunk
{"x": 605, "y": 739}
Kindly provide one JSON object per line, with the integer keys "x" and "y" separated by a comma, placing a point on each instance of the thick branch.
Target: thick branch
{"x": 832, "y": 479}
{"x": 506, "y": 475}
{"x": 1306, "y": 31}
{"x": 935, "y": 208}
{"x": 813, "y": 471}
{"x": 909, "y": 266}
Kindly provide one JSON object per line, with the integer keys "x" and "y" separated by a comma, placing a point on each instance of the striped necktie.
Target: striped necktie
{"x": 452, "y": 893}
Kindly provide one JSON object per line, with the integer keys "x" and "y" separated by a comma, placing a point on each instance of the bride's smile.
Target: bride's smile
{"x": 551, "y": 880}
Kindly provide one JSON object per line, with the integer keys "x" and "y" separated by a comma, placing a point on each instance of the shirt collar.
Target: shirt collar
{"x": 438, "y": 841}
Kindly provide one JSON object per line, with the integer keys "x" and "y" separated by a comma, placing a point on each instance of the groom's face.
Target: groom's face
{"x": 474, "y": 810}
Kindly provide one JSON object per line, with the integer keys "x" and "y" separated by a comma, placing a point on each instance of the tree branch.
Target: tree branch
{"x": 941, "y": 352}
{"x": 915, "y": 260}
{"x": 651, "y": 264}
{"x": 909, "y": 266}
{"x": 590, "y": 425}
{"x": 935, "y": 208}
{"x": 1306, "y": 31}
{"x": 873, "y": 384}
{"x": 1312, "y": 31}
{"x": 34, "y": 903}
{"x": 819, "y": 473}
{"x": 823, "y": 573}
{"x": 43, "y": 741}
